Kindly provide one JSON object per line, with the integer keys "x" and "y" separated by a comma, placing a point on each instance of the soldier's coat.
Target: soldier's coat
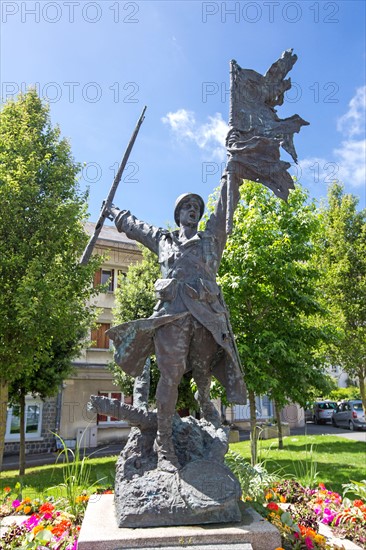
{"x": 188, "y": 287}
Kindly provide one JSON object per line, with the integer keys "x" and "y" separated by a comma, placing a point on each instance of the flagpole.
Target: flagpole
{"x": 229, "y": 196}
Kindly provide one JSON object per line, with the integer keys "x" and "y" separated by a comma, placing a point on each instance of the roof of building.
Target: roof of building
{"x": 108, "y": 233}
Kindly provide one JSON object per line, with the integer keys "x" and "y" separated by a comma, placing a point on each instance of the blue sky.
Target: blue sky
{"x": 98, "y": 63}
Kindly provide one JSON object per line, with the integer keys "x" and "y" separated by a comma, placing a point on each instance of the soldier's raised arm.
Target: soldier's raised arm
{"x": 137, "y": 230}
{"x": 217, "y": 223}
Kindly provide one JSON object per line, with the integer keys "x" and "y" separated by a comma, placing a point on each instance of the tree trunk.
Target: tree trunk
{"x": 4, "y": 395}
{"x": 22, "y": 434}
{"x": 253, "y": 428}
{"x": 361, "y": 381}
{"x": 279, "y": 426}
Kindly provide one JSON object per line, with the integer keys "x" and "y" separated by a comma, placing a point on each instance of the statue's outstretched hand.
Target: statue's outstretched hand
{"x": 111, "y": 212}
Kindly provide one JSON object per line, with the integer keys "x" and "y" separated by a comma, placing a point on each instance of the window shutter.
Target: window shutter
{"x": 97, "y": 278}
{"x": 111, "y": 283}
{"x": 99, "y": 337}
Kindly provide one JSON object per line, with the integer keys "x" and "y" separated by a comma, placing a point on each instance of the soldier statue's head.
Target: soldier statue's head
{"x": 189, "y": 202}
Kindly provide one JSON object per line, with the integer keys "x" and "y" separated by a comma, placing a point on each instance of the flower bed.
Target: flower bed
{"x": 48, "y": 524}
{"x": 300, "y": 512}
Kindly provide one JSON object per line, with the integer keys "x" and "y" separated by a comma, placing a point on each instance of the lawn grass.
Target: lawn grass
{"x": 335, "y": 460}
{"x": 38, "y": 480}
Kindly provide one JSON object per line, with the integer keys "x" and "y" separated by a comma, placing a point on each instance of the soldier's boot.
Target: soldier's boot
{"x": 207, "y": 408}
{"x": 210, "y": 413}
{"x": 163, "y": 446}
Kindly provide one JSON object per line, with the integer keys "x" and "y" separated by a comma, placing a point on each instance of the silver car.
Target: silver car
{"x": 320, "y": 412}
{"x": 350, "y": 414}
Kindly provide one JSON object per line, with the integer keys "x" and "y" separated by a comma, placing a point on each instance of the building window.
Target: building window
{"x": 102, "y": 418}
{"x": 263, "y": 409}
{"x": 33, "y": 420}
{"x": 105, "y": 277}
{"x": 99, "y": 338}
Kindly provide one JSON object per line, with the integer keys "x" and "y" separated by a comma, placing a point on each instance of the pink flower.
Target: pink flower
{"x": 337, "y": 521}
{"x": 317, "y": 509}
{"x": 31, "y": 522}
{"x": 309, "y": 543}
{"x": 328, "y": 515}
{"x": 73, "y": 546}
{"x": 15, "y": 503}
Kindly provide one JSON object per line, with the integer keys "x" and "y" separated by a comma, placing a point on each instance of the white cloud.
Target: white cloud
{"x": 351, "y": 158}
{"x": 349, "y": 165}
{"x": 209, "y": 136}
{"x": 352, "y": 123}
{"x": 313, "y": 170}
{"x": 351, "y": 155}
{"x": 182, "y": 122}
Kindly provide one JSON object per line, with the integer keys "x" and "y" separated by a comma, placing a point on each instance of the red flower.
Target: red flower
{"x": 7, "y": 489}
{"x": 273, "y": 506}
{"x": 358, "y": 503}
{"x": 60, "y": 528}
{"x": 46, "y": 508}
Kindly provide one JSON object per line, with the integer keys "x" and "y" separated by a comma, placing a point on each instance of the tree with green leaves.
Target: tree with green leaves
{"x": 43, "y": 290}
{"x": 135, "y": 299}
{"x": 46, "y": 380}
{"x": 269, "y": 281}
{"x": 342, "y": 254}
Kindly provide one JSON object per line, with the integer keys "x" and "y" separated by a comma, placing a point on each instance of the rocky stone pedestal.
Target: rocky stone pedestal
{"x": 194, "y": 488}
{"x": 201, "y": 492}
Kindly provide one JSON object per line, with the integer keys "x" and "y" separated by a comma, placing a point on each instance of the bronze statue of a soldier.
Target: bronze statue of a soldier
{"x": 189, "y": 328}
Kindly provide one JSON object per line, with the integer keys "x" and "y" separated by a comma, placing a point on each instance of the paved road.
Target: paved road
{"x": 12, "y": 462}
{"x": 327, "y": 429}
{"x": 320, "y": 429}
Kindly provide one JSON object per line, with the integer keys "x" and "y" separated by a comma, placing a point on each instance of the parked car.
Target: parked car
{"x": 321, "y": 412}
{"x": 350, "y": 414}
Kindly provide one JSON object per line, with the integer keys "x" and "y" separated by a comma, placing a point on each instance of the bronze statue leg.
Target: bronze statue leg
{"x": 203, "y": 349}
{"x": 171, "y": 349}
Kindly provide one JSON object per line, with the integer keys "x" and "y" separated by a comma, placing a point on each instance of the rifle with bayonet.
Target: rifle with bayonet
{"x": 104, "y": 213}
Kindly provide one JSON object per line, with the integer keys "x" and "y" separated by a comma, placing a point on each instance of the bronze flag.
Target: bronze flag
{"x": 256, "y": 132}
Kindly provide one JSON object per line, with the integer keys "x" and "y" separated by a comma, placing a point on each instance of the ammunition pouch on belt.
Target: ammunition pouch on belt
{"x": 166, "y": 289}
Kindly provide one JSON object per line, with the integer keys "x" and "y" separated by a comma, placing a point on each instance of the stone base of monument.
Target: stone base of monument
{"x": 203, "y": 491}
{"x": 100, "y": 531}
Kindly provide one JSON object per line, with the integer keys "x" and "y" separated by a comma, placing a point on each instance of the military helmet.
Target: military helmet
{"x": 181, "y": 199}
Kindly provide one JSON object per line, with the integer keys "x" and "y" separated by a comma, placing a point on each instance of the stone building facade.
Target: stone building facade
{"x": 67, "y": 413}
{"x": 40, "y": 426}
